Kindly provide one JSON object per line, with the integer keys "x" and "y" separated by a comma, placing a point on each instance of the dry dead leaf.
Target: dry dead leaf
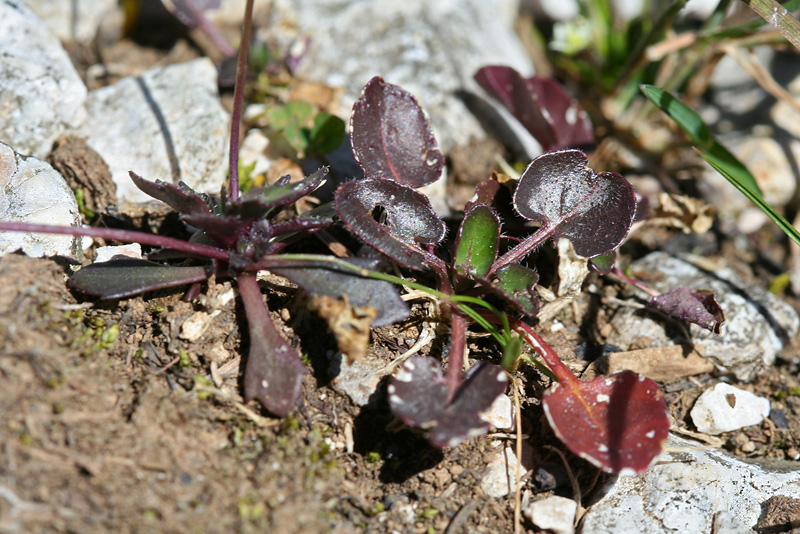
{"x": 685, "y": 213}
{"x": 663, "y": 364}
{"x": 349, "y": 324}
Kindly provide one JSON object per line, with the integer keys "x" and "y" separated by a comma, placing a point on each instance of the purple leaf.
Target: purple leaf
{"x": 594, "y": 211}
{"x": 418, "y": 397}
{"x": 568, "y": 120}
{"x": 541, "y": 105}
{"x": 274, "y": 371}
{"x": 181, "y": 198}
{"x": 360, "y": 291}
{"x": 392, "y": 138}
{"x": 409, "y": 219}
{"x": 695, "y": 306}
{"x": 618, "y": 423}
{"x": 257, "y": 202}
{"x": 126, "y": 277}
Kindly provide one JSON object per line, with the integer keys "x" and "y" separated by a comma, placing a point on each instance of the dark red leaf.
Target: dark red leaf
{"x": 594, "y": 211}
{"x": 126, "y": 277}
{"x": 181, "y": 198}
{"x": 568, "y": 120}
{"x": 392, "y": 138}
{"x": 409, "y": 218}
{"x": 696, "y": 306}
{"x": 418, "y": 397}
{"x": 618, "y": 423}
{"x": 512, "y": 90}
{"x": 274, "y": 371}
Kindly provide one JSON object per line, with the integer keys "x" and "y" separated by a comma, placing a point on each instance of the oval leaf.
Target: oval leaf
{"x": 392, "y": 138}
{"x": 594, "y": 211}
{"x": 409, "y": 218}
{"x": 618, "y": 423}
{"x": 516, "y": 283}
{"x": 478, "y": 237}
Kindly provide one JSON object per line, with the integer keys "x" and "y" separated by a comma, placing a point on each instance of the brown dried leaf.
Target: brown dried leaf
{"x": 349, "y": 324}
{"x": 685, "y": 213}
{"x": 663, "y": 364}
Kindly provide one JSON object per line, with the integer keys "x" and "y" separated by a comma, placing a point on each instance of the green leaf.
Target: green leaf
{"x": 699, "y": 134}
{"x": 516, "y": 283}
{"x": 327, "y": 133}
{"x": 478, "y": 236}
{"x": 724, "y": 170}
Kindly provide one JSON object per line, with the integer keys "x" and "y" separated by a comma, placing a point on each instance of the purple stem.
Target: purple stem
{"x": 635, "y": 283}
{"x": 238, "y": 98}
{"x": 458, "y": 348}
{"x": 545, "y": 232}
{"x": 210, "y": 30}
{"x": 559, "y": 368}
{"x": 130, "y": 236}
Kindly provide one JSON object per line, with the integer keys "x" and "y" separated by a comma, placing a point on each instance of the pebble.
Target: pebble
{"x": 554, "y": 514}
{"x": 76, "y": 20}
{"x": 133, "y": 250}
{"x": 499, "y": 475}
{"x": 431, "y": 49}
{"x": 166, "y": 124}
{"x": 32, "y": 191}
{"x": 358, "y": 380}
{"x": 500, "y": 414}
{"x": 724, "y": 408}
{"x": 41, "y": 94}
{"x": 686, "y": 490}
{"x": 758, "y": 323}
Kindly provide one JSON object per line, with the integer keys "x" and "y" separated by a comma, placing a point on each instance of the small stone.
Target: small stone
{"x": 41, "y": 94}
{"x": 724, "y": 408}
{"x": 728, "y": 523}
{"x": 358, "y": 380}
{"x": 193, "y": 328}
{"x": 499, "y": 475}
{"x": 167, "y": 124}
{"x": 500, "y": 414}
{"x": 133, "y": 250}
{"x": 554, "y": 514}
{"x": 31, "y": 191}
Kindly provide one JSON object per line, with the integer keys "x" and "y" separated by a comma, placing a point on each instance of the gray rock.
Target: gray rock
{"x": 41, "y": 94}
{"x": 76, "y": 20}
{"x": 685, "y": 491}
{"x": 32, "y": 191}
{"x": 431, "y": 49}
{"x": 358, "y": 380}
{"x": 758, "y": 323}
{"x": 167, "y": 124}
{"x": 500, "y": 474}
{"x": 554, "y": 514}
{"x": 724, "y": 408}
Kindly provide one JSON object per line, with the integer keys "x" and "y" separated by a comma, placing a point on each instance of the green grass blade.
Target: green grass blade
{"x": 723, "y": 169}
{"x": 700, "y": 135}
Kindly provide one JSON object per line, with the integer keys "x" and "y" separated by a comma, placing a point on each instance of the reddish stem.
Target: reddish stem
{"x": 210, "y": 30}
{"x": 238, "y": 99}
{"x": 635, "y": 283}
{"x": 559, "y": 368}
{"x": 130, "y": 236}
{"x": 458, "y": 349}
{"x": 545, "y": 232}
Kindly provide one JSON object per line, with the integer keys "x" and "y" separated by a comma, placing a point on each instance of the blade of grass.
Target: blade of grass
{"x": 700, "y": 135}
{"x": 779, "y": 17}
{"x": 721, "y": 167}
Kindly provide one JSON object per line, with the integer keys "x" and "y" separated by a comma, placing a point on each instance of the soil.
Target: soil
{"x": 115, "y": 418}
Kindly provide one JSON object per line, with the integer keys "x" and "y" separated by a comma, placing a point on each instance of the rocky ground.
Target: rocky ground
{"x": 128, "y": 415}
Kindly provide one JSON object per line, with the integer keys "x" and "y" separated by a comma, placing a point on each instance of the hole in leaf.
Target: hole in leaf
{"x": 379, "y": 214}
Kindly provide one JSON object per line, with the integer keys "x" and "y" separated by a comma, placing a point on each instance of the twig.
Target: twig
{"x": 762, "y": 76}
{"x": 576, "y": 487}
{"x": 779, "y": 17}
{"x": 518, "y": 452}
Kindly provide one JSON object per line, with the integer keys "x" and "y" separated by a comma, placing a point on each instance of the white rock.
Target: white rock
{"x": 727, "y": 523}
{"x": 499, "y": 476}
{"x": 41, "y": 94}
{"x": 76, "y": 20}
{"x": 358, "y": 380}
{"x": 431, "y": 49}
{"x": 758, "y": 323}
{"x": 554, "y": 514}
{"x": 559, "y": 10}
{"x": 195, "y": 326}
{"x": 724, "y": 408}
{"x": 167, "y": 124}
{"x": 133, "y": 250}
{"x": 500, "y": 414}
{"x": 32, "y": 191}
{"x": 685, "y": 491}
{"x": 253, "y": 150}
